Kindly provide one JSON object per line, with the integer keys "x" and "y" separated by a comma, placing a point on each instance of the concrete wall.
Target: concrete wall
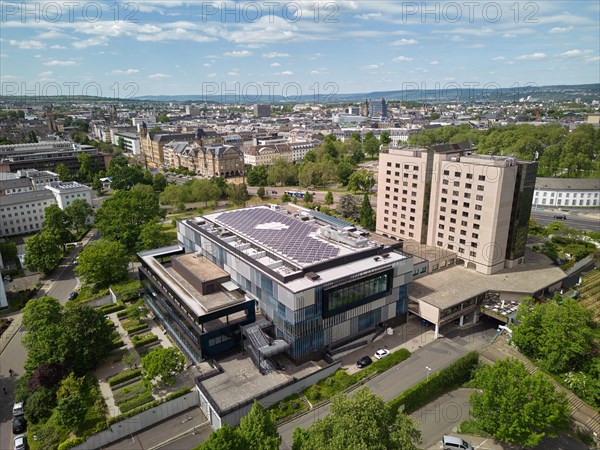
{"x": 143, "y": 420}
{"x": 106, "y": 300}
{"x": 233, "y": 417}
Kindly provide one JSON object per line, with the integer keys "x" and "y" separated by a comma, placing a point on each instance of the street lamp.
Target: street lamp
{"x": 428, "y": 372}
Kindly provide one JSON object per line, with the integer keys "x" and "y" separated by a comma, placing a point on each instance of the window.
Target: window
{"x": 451, "y": 238}
{"x": 463, "y": 232}
{"x": 441, "y": 226}
{"x": 479, "y": 187}
{"x": 468, "y": 185}
{"x": 473, "y": 253}
{"x": 455, "y": 202}
{"x": 475, "y": 235}
{"x": 466, "y": 205}
{"x": 478, "y": 207}
{"x": 441, "y": 235}
{"x": 442, "y": 217}
{"x": 465, "y": 214}
{"x": 462, "y": 241}
{"x": 450, "y": 247}
{"x": 467, "y": 195}
{"x": 443, "y": 208}
{"x": 474, "y": 244}
{"x": 479, "y": 198}
{"x": 477, "y": 217}
{"x": 444, "y": 191}
{"x": 455, "y": 193}
{"x": 445, "y": 181}
{"x": 481, "y": 178}
{"x": 476, "y": 226}
{"x": 469, "y": 176}
{"x": 457, "y": 174}
{"x": 446, "y": 172}
{"x": 452, "y": 229}
{"x": 463, "y": 223}
{"x": 453, "y": 211}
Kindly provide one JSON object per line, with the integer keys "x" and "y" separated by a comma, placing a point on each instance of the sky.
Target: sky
{"x": 128, "y": 49}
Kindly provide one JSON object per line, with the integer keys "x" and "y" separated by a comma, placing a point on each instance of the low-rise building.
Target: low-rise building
{"x": 24, "y": 213}
{"x": 67, "y": 192}
{"x": 579, "y": 192}
{"x": 209, "y": 161}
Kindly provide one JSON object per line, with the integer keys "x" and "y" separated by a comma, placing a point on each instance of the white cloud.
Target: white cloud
{"x": 509, "y": 35}
{"x": 371, "y": 66}
{"x": 315, "y": 56}
{"x": 207, "y": 64}
{"x": 590, "y": 59}
{"x": 571, "y": 54}
{"x": 499, "y": 58}
{"x": 125, "y": 72}
{"x": 238, "y": 54}
{"x": 91, "y": 42}
{"x": 211, "y": 75}
{"x": 434, "y": 62}
{"x": 368, "y": 16}
{"x": 57, "y": 47}
{"x": 156, "y": 76}
{"x": 457, "y": 39}
{"x": 28, "y": 45}
{"x": 560, "y": 30}
{"x": 275, "y": 65}
{"x": 56, "y": 62}
{"x": 319, "y": 71}
{"x": 233, "y": 74}
{"x": 532, "y": 57}
{"x": 271, "y": 55}
{"x": 285, "y": 73}
{"x": 45, "y": 74}
{"x": 405, "y": 42}
{"x": 402, "y": 59}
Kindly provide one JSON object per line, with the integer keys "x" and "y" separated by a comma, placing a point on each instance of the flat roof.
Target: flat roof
{"x": 454, "y": 285}
{"x": 25, "y": 197}
{"x": 201, "y": 267}
{"x": 575, "y": 184}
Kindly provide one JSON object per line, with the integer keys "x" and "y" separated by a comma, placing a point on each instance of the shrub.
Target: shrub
{"x": 286, "y": 407}
{"x": 136, "y": 328}
{"x": 124, "y": 376}
{"x": 181, "y": 392}
{"x": 111, "y": 308}
{"x": 70, "y": 443}
{"x": 457, "y": 373}
{"x": 137, "y": 401}
{"x": 143, "y": 339}
{"x": 122, "y": 314}
{"x": 130, "y": 392}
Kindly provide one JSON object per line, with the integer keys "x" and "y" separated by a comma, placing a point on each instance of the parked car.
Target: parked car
{"x": 560, "y": 217}
{"x": 19, "y": 425}
{"x": 73, "y": 295}
{"x": 364, "y": 362}
{"x": 381, "y": 353}
{"x": 455, "y": 443}
{"x": 18, "y": 409}
{"x": 20, "y": 442}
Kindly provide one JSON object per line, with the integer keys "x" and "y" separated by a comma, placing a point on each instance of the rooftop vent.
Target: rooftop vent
{"x": 377, "y": 258}
{"x": 385, "y": 255}
{"x": 312, "y": 276}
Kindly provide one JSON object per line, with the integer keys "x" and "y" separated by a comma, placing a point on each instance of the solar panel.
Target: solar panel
{"x": 280, "y": 233}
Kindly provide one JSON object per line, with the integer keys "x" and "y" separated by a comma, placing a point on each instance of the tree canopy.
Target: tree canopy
{"x": 43, "y": 253}
{"x": 162, "y": 365}
{"x": 362, "y": 422}
{"x": 516, "y": 407}
{"x": 103, "y": 262}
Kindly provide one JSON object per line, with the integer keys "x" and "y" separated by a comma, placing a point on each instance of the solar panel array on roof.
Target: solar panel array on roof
{"x": 331, "y": 220}
{"x": 280, "y": 233}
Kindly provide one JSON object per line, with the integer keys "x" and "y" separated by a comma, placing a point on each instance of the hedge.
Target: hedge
{"x": 136, "y": 328}
{"x": 131, "y": 324}
{"x": 147, "y": 406}
{"x": 130, "y": 392}
{"x": 143, "y": 339}
{"x": 111, "y": 308}
{"x": 135, "y": 402}
{"x": 446, "y": 380}
{"x": 121, "y": 314}
{"x": 70, "y": 443}
{"x": 124, "y": 376}
{"x": 286, "y": 407}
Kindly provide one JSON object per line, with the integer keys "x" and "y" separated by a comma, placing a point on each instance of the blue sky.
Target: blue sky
{"x": 175, "y": 47}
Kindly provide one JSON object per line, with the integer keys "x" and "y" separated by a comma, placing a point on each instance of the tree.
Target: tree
{"x": 176, "y": 193}
{"x": 204, "y": 191}
{"x": 152, "y": 236}
{"x": 348, "y": 207}
{"x": 103, "y": 262}
{"x": 85, "y": 172}
{"x": 41, "y": 313}
{"x": 162, "y": 365}
{"x": 258, "y": 429}
{"x": 344, "y": 170}
{"x": 64, "y": 174}
{"x": 46, "y": 376}
{"x": 329, "y": 198}
{"x": 371, "y": 144}
{"x": 560, "y": 336}
{"x": 121, "y": 143}
{"x": 71, "y": 411}
{"x": 285, "y": 198}
{"x": 237, "y": 194}
{"x": 39, "y": 405}
{"x": 42, "y": 253}
{"x": 385, "y": 138}
{"x": 86, "y": 336}
{"x": 225, "y": 438}
{"x": 97, "y": 185}
{"x": 125, "y": 177}
{"x": 162, "y": 118}
{"x": 57, "y": 223}
{"x": 308, "y": 197}
{"x": 282, "y": 173}
{"x": 516, "y": 407}
{"x": 361, "y": 422}
{"x": 78, "y": 213}
{"x": 159, "y": 182}
{"x": 8, "y": 250}
{"x": 130, "y": 360}
{"x": 261, "y": 193}
{"x": 137, "y": 311}
{"x": 367, "y": 215}
{"x": 122, "y": 216}
{"x": 257, "y": 176}
{"x": 362, "y": 180}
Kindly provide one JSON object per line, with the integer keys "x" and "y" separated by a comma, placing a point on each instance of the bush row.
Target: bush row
{"x": 147, "y": 406}
{"x": 136, "y": 328}
{"x": 111, "y": 308}
{"x": 439, "y": 383}
{"x": 124, "y": 376}
{"x": 70, "y": 443}
{"x": 286, "y": 407}
{"x": 140, "y": 340}
{"x": 137, "y": 401}
{"x": 122, "y": 314}
{"x": 125, "y": 394}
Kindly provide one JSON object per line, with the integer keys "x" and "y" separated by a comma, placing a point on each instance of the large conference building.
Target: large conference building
{"x": 315, "y": 282}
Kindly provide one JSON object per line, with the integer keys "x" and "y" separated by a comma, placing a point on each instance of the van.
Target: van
{"x": 455, "y": 443}
{"x": 17, "y": 409}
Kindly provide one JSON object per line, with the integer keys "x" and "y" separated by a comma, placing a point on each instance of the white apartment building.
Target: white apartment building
{"x": 579, "y": 192}
{"x": 24, "y": 213}
{"x": 130, "y": 140}
{"x": 451, "y": 198}
{"x": 66, "y": 192}
{"x": 39, "y": 178}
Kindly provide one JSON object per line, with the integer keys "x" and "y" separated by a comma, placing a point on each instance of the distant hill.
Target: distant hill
{"x": 560, "y": 93}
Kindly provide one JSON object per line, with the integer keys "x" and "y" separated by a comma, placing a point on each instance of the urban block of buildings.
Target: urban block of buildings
{"x": 579, "y": 192}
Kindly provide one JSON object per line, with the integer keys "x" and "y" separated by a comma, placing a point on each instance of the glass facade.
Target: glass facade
{"x": 356, "y": 293}
{"x": 521, "y": 210}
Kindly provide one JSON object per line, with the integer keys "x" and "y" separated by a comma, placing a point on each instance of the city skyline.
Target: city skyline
{"x": 131, "y": 49}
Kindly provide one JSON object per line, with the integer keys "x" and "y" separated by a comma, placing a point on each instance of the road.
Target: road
{"x": 391, "y": 383}
{"x": 13, "y": 354}
{"x": 582, "y": 221}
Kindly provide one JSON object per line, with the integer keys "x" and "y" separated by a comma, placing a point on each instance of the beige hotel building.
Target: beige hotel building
{"x": 447, "y": 196}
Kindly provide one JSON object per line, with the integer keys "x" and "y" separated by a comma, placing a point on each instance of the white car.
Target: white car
{"x": 381, "y": 353}
{"x": 20, "y": 442}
